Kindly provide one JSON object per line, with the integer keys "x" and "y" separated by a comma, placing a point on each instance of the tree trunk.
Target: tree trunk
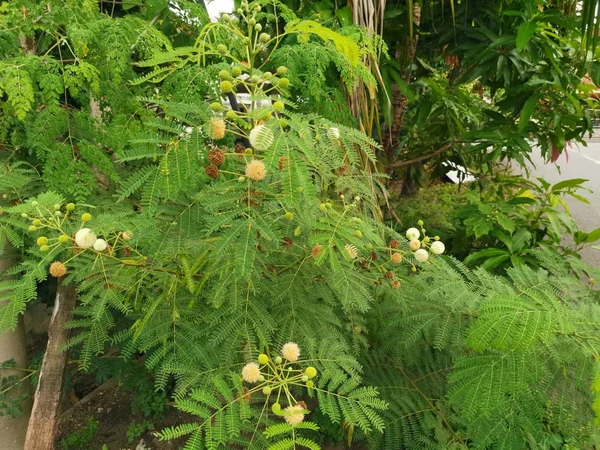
{"x": 46, "y": 407}
{"x": 13, "y": 345}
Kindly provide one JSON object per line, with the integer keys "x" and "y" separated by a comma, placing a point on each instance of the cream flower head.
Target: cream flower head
{"x": 438, "y": 247}
{"x": 351, "y": 251}
{"x": 85, "y": 238}
{"x": 217, "y": 128}
{"x": 290, "y": 351}
{"x": 421, "y": 255}
{"x": 251, "y": 372}
{"x": 100, "y": 245}
{"x": 294, "y": 414}
{"x": 412, "y": 233}
{"x": 255, "y": 170}
{"x": 261, "y": 137}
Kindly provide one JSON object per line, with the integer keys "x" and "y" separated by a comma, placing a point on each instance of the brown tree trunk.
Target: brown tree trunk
{"x": 46, "y": 406}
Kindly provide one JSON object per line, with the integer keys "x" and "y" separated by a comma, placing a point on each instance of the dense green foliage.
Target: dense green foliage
{"x": 209, "y": 239}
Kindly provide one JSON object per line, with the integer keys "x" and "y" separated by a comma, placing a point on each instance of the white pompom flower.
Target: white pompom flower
{"x": 421, "y": 255}
{"x": 85, "y": 238}
{"x": 100, "y": 245}
{"x": 251, "y": 372}
{"x": 412, "y": 234}
{"x": 333, "y": 133}
{"x": 438, "y": 247}
{"x": 261, "y": 137}
{"x": 291, "y": 351}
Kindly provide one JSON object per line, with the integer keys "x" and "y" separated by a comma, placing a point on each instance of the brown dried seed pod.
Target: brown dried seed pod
{"x": 396, "y": 284}
{"x": 394, "y": 244}
{"x": 239, "y": 148}
{"x": 316, "y": 250}
{"x": 216, "y": 156}
{"x": 281, "y": 163}
{"x": 212, "y": 171}
{"x": 389, "y": 275}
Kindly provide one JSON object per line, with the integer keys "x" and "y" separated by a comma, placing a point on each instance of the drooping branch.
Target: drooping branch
{"x": 439, "y": 151}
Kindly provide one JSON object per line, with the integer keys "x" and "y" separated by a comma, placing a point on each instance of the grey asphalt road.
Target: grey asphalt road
{"x": 583, "y": 162}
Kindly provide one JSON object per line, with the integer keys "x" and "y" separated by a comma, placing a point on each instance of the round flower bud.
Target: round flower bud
{"x": 63, "y": 238}
{"x": 283, "y": 83}
{"x": 267, "y": 75}
{"x": 278, "y": 360}
{"x": 396, "y": 284}
{"x": 333, "y": 133}
{"x": 58, "y": 214}
{"x": 304, "y": 379}
{"x": 310, "y": 372}
{"x": 267, "y": 390}
{"x": 278, "y": 106}
{"x": 252, "y": 21}
{"x": 32, "y": 228}
{"x": 261, "y": 378}
{"x": 225, "y": 18}
{"x": 412, "y": 233}
{"x": 309, "y": 384}
{"x": 288, "y": 216}
{"x": 35, "y": 204}
{"x": 282, "y": 71}
{"x": 226, "y": 86}
{"x": 239, "y": 11}
{"x": 236, "y": 71}
{"x": 420, "y": 223}
{"x": 216, "y": 106}
{"x": 57, "y": 269}
{"x": 276, "y": 408}
{"x": 414, "y": 245}
{"x": 261, "y": 137}
{"x": 85, "y": 238}
{"x": 241, "y": 179}
{"x": 100, "y": 245}
{"x": 264, "y": 37}
{"x": 235, "y": 20}
{"x": 231, "y": 115}
{"x": 44, "y": 248}
{"x": 56, "y": 207}
{"x": 323, "y": 207}
{"x": 224, "y": 75}
{"x": 258, "y": 27}
{"x": 396, "y": 257}
{"x": 37, "y": 222}
{"x": 222, "y": 49}
{"x": 263, "y": 359}
{"x": 255, "y": 170}
{"x": 251, "y": 372}
{"x": 70, "y": 206}
{"x": 294, "y": 415}
{"x": 24, "y": 215}
{"x": 426, "y": 239}
{"x": 298, "y": 231}
{"x": 290, "y": 351}
{"x": 437, "y": 247}
{"x": 86, "y": 217}
{"x": 393, "y": 244}
{"x": 42, "y": 240}
{"x": 421, "y": 255}
{"x": 358, "y": 233}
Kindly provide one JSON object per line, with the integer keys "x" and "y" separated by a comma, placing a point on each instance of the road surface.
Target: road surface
{"x": 583, "y": 162}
